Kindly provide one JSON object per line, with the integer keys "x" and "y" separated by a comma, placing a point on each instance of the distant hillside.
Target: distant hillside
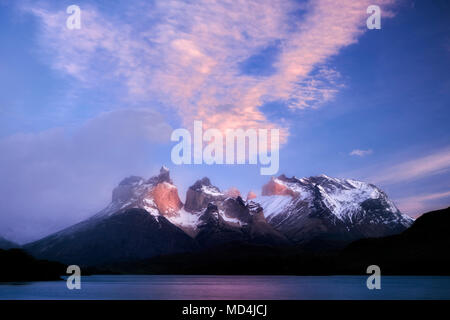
{"x": 6, "y": 244}
{"x": 421, "y": 249}
{"x": 17, "y": 265}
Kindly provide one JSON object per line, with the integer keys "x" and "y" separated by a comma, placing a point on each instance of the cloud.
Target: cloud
{"x": 360, "y": 153}
{"x": 413, "y": 182}
{"x": 419, "y": 204}
{"x": 187, "y": 54}
{"x": 432, "y": 164}
{"x": 57, "y": 177}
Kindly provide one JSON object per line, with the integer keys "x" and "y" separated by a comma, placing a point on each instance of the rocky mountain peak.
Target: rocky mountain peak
{"x": 131, "y": 181}
{"x": 204, "y": 182}
{"x": 164, "y": 176}
{"x": 127, "y": 189}
{"x": 345, "y": 207}
{"x": 233, "y": 192}
{"x": 156, "y": 195}
{"x": 200, "y": 194}
{"x": 166, "y": 199}
{"x": 277, "y": 186}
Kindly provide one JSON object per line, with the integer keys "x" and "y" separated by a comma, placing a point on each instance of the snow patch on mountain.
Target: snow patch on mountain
{"x": 212, "y": 191}
{"x": 185, "y": 219}
{"x": 231, "y": 220}
{"x": 150, "y": 207}
{"x": 273, "y": 205}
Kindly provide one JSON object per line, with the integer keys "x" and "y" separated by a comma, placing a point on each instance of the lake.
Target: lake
{"x": 176, "y": 287}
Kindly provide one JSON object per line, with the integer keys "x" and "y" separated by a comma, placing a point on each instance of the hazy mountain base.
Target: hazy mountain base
{"x": 420, "y": 250}
{"x": 133, "y": 235}
{"x": 6, "y": 244}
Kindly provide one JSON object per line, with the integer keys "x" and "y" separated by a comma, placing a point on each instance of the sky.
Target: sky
{"x": 80, "y": 109}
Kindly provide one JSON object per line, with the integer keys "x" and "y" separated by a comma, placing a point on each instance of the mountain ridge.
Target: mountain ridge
{"x": 149, "y": 214}
{"x": 325, "y": 207}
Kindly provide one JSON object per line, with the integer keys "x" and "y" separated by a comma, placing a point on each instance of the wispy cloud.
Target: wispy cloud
{"x": 361, "y": 153}
{"x": 415, "y": 180}
{"x": 188, "y": 53}
{"x": 431, "y": 164}
{"x": 419, "y": 204}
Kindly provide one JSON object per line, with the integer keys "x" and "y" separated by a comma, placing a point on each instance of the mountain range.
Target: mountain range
{"x": 146, "y": 218}
{"x": 421, "y": 249}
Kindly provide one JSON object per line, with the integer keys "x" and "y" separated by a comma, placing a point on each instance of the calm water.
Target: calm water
{"x": 233, "y": 287}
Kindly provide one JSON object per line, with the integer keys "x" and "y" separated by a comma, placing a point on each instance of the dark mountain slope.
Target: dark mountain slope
{"x": 17, "y": 265}
{"x": 131, "y": 235}
{"x": 6, "y": 244}
{"x": 421, "y": 249}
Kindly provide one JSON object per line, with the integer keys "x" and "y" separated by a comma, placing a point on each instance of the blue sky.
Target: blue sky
{"x": 81, "y": 109}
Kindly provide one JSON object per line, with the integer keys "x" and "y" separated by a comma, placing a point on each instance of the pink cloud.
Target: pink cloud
{"x": 189, "y": 56}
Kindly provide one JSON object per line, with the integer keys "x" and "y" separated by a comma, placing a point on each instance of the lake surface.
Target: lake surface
{"x": 232, "y": 287}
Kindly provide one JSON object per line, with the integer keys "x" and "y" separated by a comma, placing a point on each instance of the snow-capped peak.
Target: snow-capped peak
{"x": 343, "y": 198}
{"x": 157, "y": 195}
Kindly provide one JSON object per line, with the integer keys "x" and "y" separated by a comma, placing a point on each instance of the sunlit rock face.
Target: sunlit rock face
{"x": 165, "y": 196}
{"x": 232, "y": 193}
{"x": 275, "y": 188}
{"x": 251, "y": 195}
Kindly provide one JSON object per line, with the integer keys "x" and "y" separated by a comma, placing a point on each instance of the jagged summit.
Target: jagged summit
{"x": 204, "y": 182}
{"x": 146, "y": 218}
{"x": 131, "y": 180}
{"x": 164, "y": 176}
{"x": 157, "y": 195}
{"x": 233, "y": 192}
{"x": 278, "y": 186}
{"x": 200, "y": 194}
{"x": 321, "y": 205}
{"x": 342, "y": 203}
